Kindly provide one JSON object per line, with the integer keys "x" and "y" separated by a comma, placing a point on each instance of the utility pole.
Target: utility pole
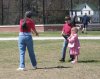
{"x": 71, "y": 8}
{"x": 36, "y": 5}
{"x": 44, "y": 11}
{"x": 99, "y": 9}
{"x": 2, "y": 12}
{"x": 22, "y": 8}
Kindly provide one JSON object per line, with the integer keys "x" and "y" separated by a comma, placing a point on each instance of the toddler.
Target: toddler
{"x": 74, "y": 44}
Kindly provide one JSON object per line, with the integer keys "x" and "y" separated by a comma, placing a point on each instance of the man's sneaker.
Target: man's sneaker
{"x": 62, "y": 60}
{"x": 34, "y": 67}
{"x": 21, "y": 69}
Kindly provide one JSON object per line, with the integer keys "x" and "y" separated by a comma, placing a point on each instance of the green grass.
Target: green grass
{"x": 50, "y": 34}
{"x": 48, "y": 54}
{"x": 90, "y": 33}
{"x": 8, "y": 34}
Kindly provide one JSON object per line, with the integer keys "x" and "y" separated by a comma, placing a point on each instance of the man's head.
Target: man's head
{"x": 68, "y": 19}
{"x": 29, "y": 14}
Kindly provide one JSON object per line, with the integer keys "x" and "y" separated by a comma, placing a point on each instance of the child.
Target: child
{"x": 66, "y": 30}
{"x": 74, "y": 44}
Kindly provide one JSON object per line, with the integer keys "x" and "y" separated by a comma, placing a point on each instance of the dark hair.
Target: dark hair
{"x": 28, "y": 14}
{"x": 24, "y": 25}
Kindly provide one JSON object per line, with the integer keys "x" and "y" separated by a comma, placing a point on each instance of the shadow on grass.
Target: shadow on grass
{"x": 89, "y": 61}
{"x": 59, "y": 67}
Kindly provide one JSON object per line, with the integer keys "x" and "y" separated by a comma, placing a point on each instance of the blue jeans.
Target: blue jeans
{"x": 65, "y": 44}
{"x": 23, "y": 42}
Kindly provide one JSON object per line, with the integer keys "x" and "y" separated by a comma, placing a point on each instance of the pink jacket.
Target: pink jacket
{"x": 74, "y": 44}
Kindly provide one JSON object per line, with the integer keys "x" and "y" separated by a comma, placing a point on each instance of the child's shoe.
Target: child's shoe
{"x": 21, "y": 69}
{"x": 73, "y": 62}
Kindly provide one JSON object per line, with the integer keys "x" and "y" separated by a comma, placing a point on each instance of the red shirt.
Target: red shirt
{"x": 66, "y": 28}
{"x": 30, "y": 25}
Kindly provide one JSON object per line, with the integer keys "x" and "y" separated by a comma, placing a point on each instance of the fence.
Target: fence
{"x": 45, "y": 12}
{"x": 12, "y": 10}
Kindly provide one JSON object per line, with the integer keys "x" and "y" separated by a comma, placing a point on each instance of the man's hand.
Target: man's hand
{"x": 37, "y": 34}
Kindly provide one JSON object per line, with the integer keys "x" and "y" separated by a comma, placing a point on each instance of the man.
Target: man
{"x": 74, "y": 20}
{"x": 65, "y": 33}
{"x": 26, "y": 26}
{"x": 85, "y": 21}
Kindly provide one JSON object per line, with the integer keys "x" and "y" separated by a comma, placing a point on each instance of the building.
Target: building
{"x": 90, "y": 9}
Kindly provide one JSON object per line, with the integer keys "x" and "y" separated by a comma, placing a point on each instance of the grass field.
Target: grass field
{"x": 48, "y": 54}
{"x": 50, "y": 34}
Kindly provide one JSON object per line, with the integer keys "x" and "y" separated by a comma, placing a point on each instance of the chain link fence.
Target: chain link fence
{"x": 11, "y": 11}
{"x": 45, "y": 12}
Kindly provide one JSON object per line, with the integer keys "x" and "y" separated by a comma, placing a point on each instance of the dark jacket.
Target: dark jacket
{"x": 85, "y": 19}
